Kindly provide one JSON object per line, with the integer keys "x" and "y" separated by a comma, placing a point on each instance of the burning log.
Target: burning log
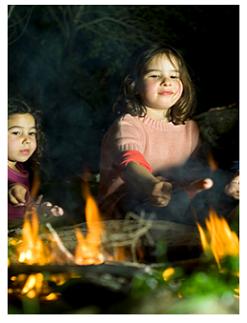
{"x": 123, "y": 269}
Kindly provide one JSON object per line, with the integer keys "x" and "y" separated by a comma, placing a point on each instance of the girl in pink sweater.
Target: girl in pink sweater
{"x": 145, "y": 151}
{"x": 24, "y": 149}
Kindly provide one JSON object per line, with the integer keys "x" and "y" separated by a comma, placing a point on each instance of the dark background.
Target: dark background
{"x": 68, "y": 62}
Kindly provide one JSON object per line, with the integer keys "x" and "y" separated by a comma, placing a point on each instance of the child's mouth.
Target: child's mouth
{"x": 25, "y": 152}
{"x": 165, "y": 93}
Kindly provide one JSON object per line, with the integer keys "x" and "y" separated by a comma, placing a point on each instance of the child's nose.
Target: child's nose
{"x": 165, "y": 81}
{"x": 26, "y": 139}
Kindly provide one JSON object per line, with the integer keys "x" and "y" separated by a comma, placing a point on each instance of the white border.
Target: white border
{"x": 3, "y": 154}
{"x": 3, "y": 170}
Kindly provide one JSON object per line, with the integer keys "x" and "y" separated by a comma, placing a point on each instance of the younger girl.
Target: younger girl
{"x": 144, "y": 150}
{"x": 24, "y": 146}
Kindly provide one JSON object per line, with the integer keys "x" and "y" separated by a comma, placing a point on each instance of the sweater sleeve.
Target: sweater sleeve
{"x": 134, "y": 156}
{"x": 127, "y": 140}
{"x": 130, "y": 141}
{"x": 129, "y": 135}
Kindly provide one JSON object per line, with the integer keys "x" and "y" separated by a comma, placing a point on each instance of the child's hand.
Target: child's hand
{"x": 48, "y": 209}
{"x": 198, "y": 186}
{"x": 232, "y": 189}
{"x": 161, "y": 193}
{"x": 17, "y": 194}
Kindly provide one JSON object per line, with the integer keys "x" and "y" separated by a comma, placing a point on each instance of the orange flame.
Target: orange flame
{"x": 88, "y": 249}
{"x": 33, "y": 285}
{"x": 218, "y": 237}
{"x": 32, "y": 250}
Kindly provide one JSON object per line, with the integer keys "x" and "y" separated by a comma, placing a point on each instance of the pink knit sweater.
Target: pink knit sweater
{"x": 20, "y": 177}
{"x": 162, "y": 144}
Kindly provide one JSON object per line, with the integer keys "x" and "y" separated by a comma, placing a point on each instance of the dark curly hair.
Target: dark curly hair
{"x": 18, "y": 106}
{"x": 129, "y": 100}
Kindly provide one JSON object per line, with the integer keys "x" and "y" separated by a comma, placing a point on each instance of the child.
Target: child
{"x": 145, "y": 152}
{"x": 24, "y": 146}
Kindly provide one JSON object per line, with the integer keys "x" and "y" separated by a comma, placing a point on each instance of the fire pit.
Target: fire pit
{"x": 101, "y": 267}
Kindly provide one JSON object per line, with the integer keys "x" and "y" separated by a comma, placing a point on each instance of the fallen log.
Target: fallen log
{"x": 181, "y": 241}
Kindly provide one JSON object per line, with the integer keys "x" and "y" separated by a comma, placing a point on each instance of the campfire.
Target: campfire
{"x": 41, "y": 247}
{"x": 218, "y": 239}
{"x": 42, "y": 258}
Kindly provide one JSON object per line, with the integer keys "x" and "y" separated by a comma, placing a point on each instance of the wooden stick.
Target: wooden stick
{"x": 59, "y": 243}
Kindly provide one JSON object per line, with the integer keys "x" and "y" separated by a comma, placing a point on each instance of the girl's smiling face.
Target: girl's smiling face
{"x": 160, "y": 86}
{"x": 21, "y": 137}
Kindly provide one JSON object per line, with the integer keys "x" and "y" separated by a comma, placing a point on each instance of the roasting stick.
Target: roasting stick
{"x": 59, "y": 243}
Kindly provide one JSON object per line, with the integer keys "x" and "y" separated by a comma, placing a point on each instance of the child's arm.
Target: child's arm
{"x": 139, "y": 179}
{"x": 17, "y": 194}
{"x": 156, "y": 188}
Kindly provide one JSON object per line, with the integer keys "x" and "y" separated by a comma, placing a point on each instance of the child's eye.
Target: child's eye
{"x": 174, "y": 76}
{"x": 16, "y": 133}
{"x": 154, "y": 76}
{"x": 33, "y": 134}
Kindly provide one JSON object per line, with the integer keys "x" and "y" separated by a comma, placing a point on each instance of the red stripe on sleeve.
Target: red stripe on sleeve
{"x": 134, "y": 156}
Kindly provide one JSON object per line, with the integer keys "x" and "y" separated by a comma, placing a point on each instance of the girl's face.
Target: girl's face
{"x": 21, "y": 137}
{"x": 160, "y": 87}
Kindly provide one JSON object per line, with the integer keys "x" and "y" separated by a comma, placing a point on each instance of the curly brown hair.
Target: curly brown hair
{"x": 18, "y": 106}
{"x": 129, "y": 100}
